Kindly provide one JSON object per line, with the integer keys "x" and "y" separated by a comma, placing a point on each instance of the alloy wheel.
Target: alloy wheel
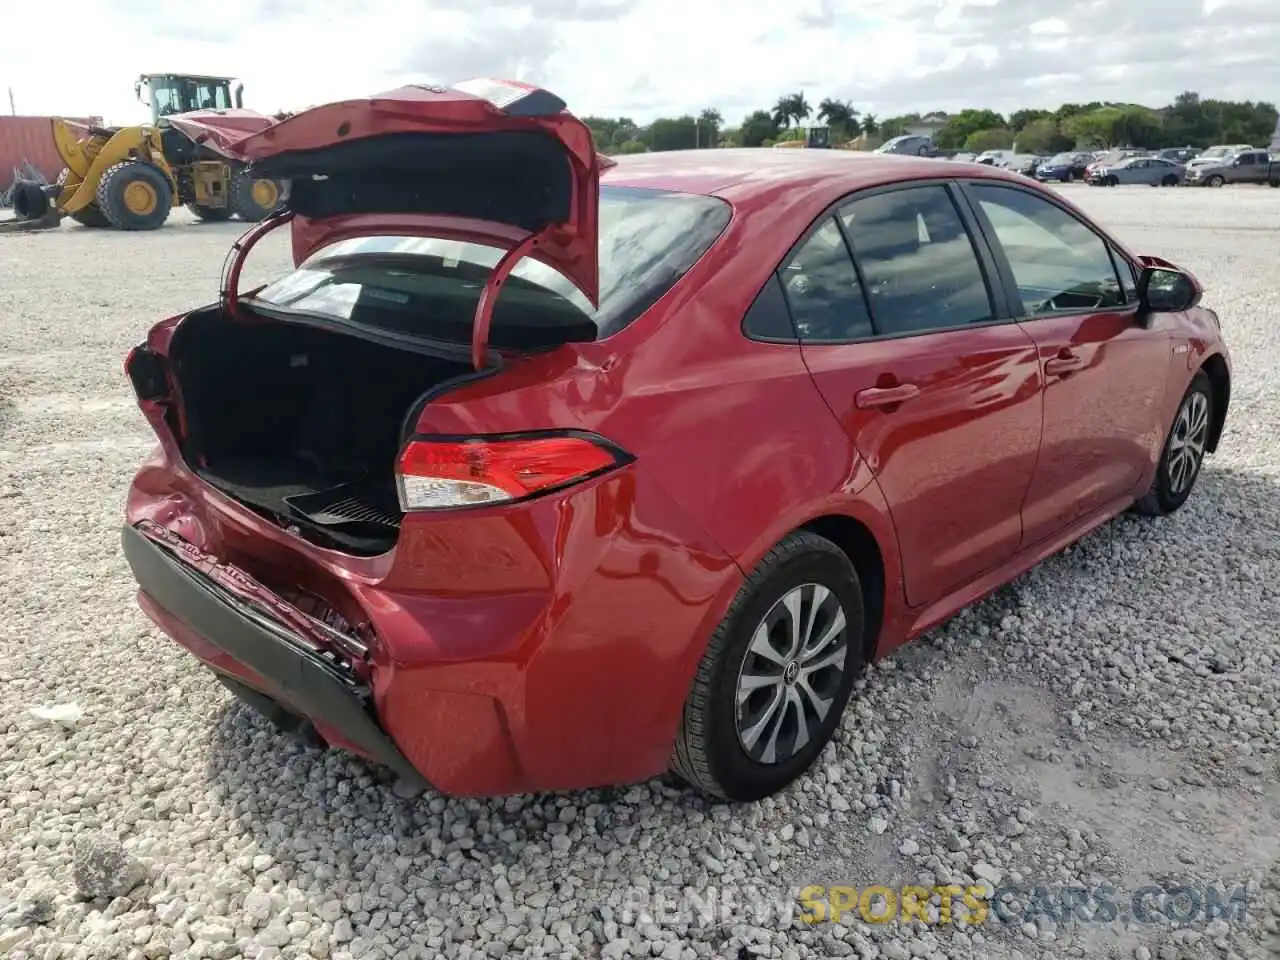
{"x": 1186, "y": 445}
{"x": 791, "y": 673}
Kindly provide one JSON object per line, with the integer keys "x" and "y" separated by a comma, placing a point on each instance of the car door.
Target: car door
{"x": 937, "y": 389}
{"x": 1260, "y": 169}
{"x": 1104, "y": 371}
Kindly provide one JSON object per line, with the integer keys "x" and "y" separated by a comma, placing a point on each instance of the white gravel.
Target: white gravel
{"x": 1113, "y": 717}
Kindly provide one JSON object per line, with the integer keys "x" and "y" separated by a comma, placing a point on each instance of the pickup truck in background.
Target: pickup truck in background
{"x": 1244, "y": 166}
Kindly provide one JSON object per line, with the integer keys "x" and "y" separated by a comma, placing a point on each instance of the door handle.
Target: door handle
{"x": 874, "y": 397}
{"x": 1063, "y": 364}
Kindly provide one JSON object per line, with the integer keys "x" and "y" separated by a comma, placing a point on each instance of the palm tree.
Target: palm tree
{"x": 800, "y": 108}
{"x": 870, "y": 124}
{"x": 791, "y": 107}
{"x": 840, "y": 116}
{"x": 782, "y": 112}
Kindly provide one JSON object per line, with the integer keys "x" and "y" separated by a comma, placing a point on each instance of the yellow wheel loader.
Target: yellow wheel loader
{"x": 131, "y": 177}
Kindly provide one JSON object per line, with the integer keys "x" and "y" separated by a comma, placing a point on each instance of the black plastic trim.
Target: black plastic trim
{"x": 304, "y": 680}
{"x": 997, "y": 286}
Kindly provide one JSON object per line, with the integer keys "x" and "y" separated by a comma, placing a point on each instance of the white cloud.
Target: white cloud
{"x": 643, "y": 58}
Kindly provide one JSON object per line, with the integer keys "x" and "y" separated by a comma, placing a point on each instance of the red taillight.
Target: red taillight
{"x": 441, "y": 473}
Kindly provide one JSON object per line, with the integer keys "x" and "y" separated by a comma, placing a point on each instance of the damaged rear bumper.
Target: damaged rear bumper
{"x": 242, "y": 640}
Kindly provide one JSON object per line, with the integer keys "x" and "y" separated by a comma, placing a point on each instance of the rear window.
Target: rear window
{"x": 429, "y": 287}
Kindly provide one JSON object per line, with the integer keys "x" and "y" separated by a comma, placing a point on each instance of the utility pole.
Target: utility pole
{"x": 12, "y": 109}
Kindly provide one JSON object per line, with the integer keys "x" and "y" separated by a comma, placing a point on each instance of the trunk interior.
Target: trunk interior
{"x": 301, "y": 424}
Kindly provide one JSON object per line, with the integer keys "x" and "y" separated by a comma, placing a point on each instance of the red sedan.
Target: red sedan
{"x": 543, "y": 471}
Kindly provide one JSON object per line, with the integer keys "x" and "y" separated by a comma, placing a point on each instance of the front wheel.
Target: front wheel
{"x": 776, "y": 675}
{"x": 254, "y": 198}
{"x": 1169, "y": 181}
{"x": 1113, "y": 181}
{"x": 1183, "y": 453}
{"x": 1215, "y": 181}
{"x": 133, "y": 195}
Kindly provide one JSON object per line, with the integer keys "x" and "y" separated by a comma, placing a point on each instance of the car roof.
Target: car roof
{"x": 747, "y": 177}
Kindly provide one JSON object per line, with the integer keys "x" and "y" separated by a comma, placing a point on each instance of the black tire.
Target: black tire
{"x": 1169, "y": 181}
{"x": 1274, "y": 181}
{"x": 709, "y": 751}
{"x": 91, "y": 216}
{"x": 211, "y": 214}
{"x": 1217, "y": 180}
{"x": 117, "y": 180}
{"x": 88, "y": 215}
{"x": 30, "y": 202}
{"x": 1165, "y": 495}
{"x": 243, "y": 203}
{"x": 1113, "y": 181}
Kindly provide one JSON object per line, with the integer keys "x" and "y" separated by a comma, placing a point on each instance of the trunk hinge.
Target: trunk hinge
{"x": 229, "y": 293}
{"x": 489, "y": 295}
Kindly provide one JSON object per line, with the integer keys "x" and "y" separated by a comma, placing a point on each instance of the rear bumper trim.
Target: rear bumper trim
{"x": 305, "y": 679}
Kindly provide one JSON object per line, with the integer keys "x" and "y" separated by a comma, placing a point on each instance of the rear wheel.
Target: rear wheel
{"x": 211, "y": 214}
{"x": 1184, "y": 450}
{"x": 254, "y": 198}
{"x": 776, "y": 674}
{"x": 135, "y": 196}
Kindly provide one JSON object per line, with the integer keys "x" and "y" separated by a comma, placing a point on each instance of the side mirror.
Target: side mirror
{"x": 1167, "y": 290}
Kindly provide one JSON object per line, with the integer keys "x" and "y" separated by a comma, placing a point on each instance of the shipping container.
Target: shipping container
{"x": 29, "y": 140}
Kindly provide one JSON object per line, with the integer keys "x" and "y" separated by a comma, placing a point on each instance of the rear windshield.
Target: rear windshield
{"x": 429, "y": 287}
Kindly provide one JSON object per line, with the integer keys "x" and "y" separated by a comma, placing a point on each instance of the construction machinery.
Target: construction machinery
{"x": 815, "y": 138}
{"x": 130, "y": 178}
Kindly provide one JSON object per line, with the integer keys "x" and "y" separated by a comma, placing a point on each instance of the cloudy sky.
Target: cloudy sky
{"x": 645, "y": 58}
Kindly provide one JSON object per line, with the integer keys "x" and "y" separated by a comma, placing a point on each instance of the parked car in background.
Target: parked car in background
{"x": 1216, "y": 154}
{"x": 1247, "y": 166}
{"x": 500, "y": 523}
{"x": 912, "y": 145}
{"x": 1180, "y": 155}
{"x": 1065, "y": 166}
{"x": 1107, "y": 159}
{"x": 994, "y": 158}
{"x": 1023, "y": 163}
{"x": 1274, "y": 178}
{"x": 964, "y": 157}
{"x": 1151, "y": 171}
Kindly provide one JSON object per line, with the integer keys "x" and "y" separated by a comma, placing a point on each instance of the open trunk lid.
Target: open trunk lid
{"x": 487, "y": 161}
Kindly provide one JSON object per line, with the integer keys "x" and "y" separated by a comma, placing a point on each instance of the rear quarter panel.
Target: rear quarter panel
{"x": 733, "y": 429}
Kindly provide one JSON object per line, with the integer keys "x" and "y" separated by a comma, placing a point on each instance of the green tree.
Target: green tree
{"x": 792, "y": 107}
{"x": 897, "y": 126}
{"x": 757, "y": 128}
{"x": 709, "y": 123}
{"x": 964, "y": 124}
{"x": 633, "y": 146}
{"x": 995, "y": 138}
{"x": 1043, "y": 136}
{"x": 840, "y": 116}
{"x": 1019, "y": 119}
{"x": 870, "y": 124}
{"x": 673, "y": 133}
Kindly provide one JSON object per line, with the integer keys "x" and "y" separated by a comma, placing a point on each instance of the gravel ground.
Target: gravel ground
{"x": 1111, "y": 718}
